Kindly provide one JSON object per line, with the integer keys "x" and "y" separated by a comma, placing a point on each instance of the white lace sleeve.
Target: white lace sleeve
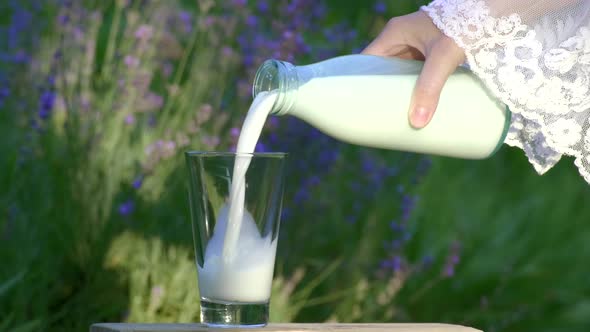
{"x": 534, "y": 55}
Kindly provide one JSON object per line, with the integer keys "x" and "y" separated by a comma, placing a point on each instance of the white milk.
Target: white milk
{"x": 467, "y": 123}
{"x": 239, "y": 263}
{"x": 248, "y": 277}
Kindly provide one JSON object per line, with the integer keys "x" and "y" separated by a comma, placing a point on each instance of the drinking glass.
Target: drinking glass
{"x": 235, "y": 256}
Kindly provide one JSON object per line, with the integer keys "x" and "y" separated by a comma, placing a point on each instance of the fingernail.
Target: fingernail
{"x": 419, "y": 117}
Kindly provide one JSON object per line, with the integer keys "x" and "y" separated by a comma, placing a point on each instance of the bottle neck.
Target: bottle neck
{"x": 278, "y": 77}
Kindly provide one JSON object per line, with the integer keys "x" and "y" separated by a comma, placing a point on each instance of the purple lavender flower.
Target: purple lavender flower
{"x": 328, "y": 157}
{"x": 21, "y": 20}
{"x": 227, "y": 51}
{"x": 155, "y": 101}
{"x": 161, "y": 150}
{"x": 20, "y": 57}
{"x": 453, "y": 260}
{"x": 167, "y": 69}
{"x": 130, "y": 119}
{"x": 63, "y": 19}
{"x": 261, "y": 147}
{"x": 394, "y": 263}
{"x": 57, "y": 54}
{"x": 78, "y": 34}
{"x": 211, "y": 141}
{"x": 126, "y": 208}
{"x": 144, "y": 32}
{"x": 252, "y": 21}
{"x": 273, "y": 138}
{"x": 294, "y": 6}
{"x": 168, "y": 147}
{"x": 137, "y": 182}
{"x": 423, "y": 167}
{"x": 263, "y": 6}
{"x": 380, "y": 7}
{"x": 239, "y": 3}
{"x": 4, "y": 93}
{"x": 301, "y": 196}
{"x": 150, "y": 102}
{"x": 51, "y": 80}
{"x": 407, "y": 205}
{"x": 315, "y": 133}
{"x": 152, "y": 120}
{"x": 319, "y": 10}
{"x": 209, "y": 21}
{"x": 234, "y": 132}
{"x": 288, "y": 34}
{"x": 397, "y": 263}
{"x": 449, "y": 271}
{"x": 131, "y": 61}
{"x": 187, "y": 20}
{"x": 248, "y": 60}
{"x": 368, "y": 164}
{"x": 46, "y": 102}
{"x": 313, "y": 181}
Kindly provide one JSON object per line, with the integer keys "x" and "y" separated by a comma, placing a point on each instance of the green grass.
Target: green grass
{"x": 524, "y": 238}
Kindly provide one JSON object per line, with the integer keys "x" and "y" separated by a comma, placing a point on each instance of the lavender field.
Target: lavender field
{"x": 98, "y": 102}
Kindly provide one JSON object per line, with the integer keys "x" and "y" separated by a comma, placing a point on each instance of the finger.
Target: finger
{"x": 390, "y": 41}
{"x": 441, "y": 61}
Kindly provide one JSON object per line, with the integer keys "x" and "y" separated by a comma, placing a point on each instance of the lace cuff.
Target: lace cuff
{"x": 540, "y": 70}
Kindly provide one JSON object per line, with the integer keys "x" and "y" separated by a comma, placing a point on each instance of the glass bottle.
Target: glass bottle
{"x": 364, "y": 100}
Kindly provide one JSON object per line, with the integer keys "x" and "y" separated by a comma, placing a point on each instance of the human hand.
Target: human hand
{"x": 414, "y": 36}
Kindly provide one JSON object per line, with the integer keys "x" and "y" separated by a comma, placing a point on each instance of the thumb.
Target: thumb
{"x": 443, "y": 59}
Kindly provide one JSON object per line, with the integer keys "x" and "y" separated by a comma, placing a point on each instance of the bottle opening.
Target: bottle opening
{"x": 267, "y": 78}
{"x": 278, "y": 77}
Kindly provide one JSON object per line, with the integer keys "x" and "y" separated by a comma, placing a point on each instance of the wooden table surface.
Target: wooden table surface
{"x": 122, "y": 327}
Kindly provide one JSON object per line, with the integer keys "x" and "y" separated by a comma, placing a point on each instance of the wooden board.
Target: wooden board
{"x": 121, "y": 327}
